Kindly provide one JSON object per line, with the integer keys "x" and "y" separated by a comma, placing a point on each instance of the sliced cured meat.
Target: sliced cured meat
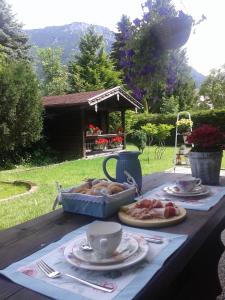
{"x": 153, "y": 208}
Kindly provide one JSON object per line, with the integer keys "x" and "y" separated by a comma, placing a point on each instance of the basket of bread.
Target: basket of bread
{"x": 96, "y": 197}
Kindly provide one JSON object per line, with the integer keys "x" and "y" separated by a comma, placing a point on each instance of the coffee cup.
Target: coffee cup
{"x": 188, "y": 184}
{"x": 104, "y": 237}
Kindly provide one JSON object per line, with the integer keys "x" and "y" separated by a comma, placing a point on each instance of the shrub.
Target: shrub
{"x": 138, "y": 138}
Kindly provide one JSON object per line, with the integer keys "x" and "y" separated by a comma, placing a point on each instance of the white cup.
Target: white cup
{"x": 188, "y": 184}
{"x": 104, "y": 237}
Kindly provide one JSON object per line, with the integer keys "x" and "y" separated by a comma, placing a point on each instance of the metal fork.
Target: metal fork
{"x": 51, "y": 273}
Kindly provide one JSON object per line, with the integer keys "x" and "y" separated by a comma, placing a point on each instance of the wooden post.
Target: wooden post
{"x": 83, "y": 140}
{"x": 123, "y": 126}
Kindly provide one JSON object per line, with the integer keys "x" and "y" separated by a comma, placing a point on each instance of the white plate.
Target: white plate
{"x": 171, "y": 190}
{"x": 127, "y": 247}
{"x": 139, "y": 255}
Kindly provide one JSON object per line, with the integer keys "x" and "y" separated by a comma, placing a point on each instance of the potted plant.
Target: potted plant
{"x": 184, "y": 127}
{"x": 116, "y": 141}
{"x": 172, "y": 32}
{"x": 101, "y": 144}
{"x": 90, "y": 130}
{"x": 206, "y": 154}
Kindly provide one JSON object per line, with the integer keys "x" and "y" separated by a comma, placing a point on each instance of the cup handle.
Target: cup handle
{"x": 198, "y": 181}
{"x": 103, "y": 244}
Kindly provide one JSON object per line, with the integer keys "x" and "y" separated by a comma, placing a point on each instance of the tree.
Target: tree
{"x": 12, "y": 38}
{"x": 169, "y": 105}
{"x": 20, "y": 108}
{"x": 92, "y": 69}
{"x": 123, "y": 35}
{"x": 213, "y": 88}
{"x": 150, "y": 71}
{"x": 55, "y": 74}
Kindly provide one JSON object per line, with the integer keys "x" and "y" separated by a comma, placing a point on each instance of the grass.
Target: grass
{"x": 69, "y": 173}
{"x": 11, "y": 189}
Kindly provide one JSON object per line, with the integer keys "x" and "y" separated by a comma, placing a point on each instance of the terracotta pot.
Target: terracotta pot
{"x": 206, "y": 166}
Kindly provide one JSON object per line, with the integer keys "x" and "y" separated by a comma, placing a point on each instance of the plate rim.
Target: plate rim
{"x": 185, "y": 194}
{"x": 143, "y": 245}
{"x": 109, "y": 262}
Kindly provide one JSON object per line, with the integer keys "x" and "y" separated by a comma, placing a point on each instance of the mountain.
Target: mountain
{"x": 197, "y": 77}
{"x": 67, "y": 37}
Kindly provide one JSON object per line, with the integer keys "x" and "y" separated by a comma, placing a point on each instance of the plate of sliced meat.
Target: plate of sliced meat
{"x": 152, "y": 213}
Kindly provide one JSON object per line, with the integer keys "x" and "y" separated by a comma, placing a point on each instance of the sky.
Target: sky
{"x": 205, "y": 48}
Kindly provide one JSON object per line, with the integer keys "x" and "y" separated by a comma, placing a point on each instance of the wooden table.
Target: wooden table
{"x": 190, "y": 273}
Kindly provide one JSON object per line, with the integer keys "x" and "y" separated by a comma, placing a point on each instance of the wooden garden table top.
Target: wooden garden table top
{"x": 190, "y": 273}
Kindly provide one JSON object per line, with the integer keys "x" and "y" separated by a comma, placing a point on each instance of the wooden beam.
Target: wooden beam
{"x": 123, "y": 126}
{"x": 83, "y": 141}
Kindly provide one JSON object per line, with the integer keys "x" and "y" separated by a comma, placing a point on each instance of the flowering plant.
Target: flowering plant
{"x": 91, "y": 128}
{"x": 206, "y": 138}
{"x": 94, "y": 129}
{"x": 117, "y": 140}
{"x": 102, "y": 141}
{"x": 184, "y": 125}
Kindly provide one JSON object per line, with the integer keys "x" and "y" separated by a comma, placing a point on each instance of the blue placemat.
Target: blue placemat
{"x": 127, "y": 282}
{"x": 197, "y": 203}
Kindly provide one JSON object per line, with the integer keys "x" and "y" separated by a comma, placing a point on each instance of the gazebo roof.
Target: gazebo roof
{"x": 89, "y": 98}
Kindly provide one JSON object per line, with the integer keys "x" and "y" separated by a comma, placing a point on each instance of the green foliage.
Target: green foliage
{"x": 92, "y": 69}
{"x": 213, "y": 88}
{"x": 169, "y": 105}
{"x": 212, "y": 117}
{"x": 114, "y": 121}
{"x": 20, "y": 108}
{"x": 163, "y": 131}
{"x": 158, "y": 132}
{"x": 12, "y": 38}
{"x": 55, "y": 74}
{"x": 137, "y": 138}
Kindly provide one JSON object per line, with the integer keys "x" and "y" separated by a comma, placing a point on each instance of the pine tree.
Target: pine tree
{"x": 12, "y": 38}
{"x": 92, "y": 69}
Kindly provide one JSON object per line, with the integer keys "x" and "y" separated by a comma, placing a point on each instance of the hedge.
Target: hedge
{"x": 212, "y": 117}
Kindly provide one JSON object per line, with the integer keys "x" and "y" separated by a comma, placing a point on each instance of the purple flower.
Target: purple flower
{"x": 130, "y": 52}
{"x": 137, "y": 22}
{"x": 146, "y": 16}
{"x": 164, "y": 11}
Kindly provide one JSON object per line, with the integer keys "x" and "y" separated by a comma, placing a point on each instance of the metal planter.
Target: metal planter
{"x": 206, "y": 166}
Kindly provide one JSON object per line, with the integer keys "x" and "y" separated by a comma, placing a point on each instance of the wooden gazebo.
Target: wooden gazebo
{"x": 67, "y": 118}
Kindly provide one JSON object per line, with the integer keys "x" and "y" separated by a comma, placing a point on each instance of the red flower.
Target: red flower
{"x": 91, "y": 126}
{"x": 117, "y": 139}
{"x": 206, "y": 138}
{"x": 102, "y": 141}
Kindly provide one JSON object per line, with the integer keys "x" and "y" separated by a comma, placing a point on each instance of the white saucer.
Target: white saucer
{"x": 201, "y": 190}
{"x": 127, "y": 247}
{"x": 139, "y": 255}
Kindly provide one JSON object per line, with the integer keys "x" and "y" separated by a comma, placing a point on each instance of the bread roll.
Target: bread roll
{"x": 101, "y": 184}
{"x": 115, "y": 189}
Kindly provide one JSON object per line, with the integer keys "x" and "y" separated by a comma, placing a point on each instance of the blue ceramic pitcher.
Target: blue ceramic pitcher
{"x": 126, "y": 161}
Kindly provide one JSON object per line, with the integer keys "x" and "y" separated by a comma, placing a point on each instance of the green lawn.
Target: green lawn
{"x": 69, "y": 173}
{"x": 11, "y": 189}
